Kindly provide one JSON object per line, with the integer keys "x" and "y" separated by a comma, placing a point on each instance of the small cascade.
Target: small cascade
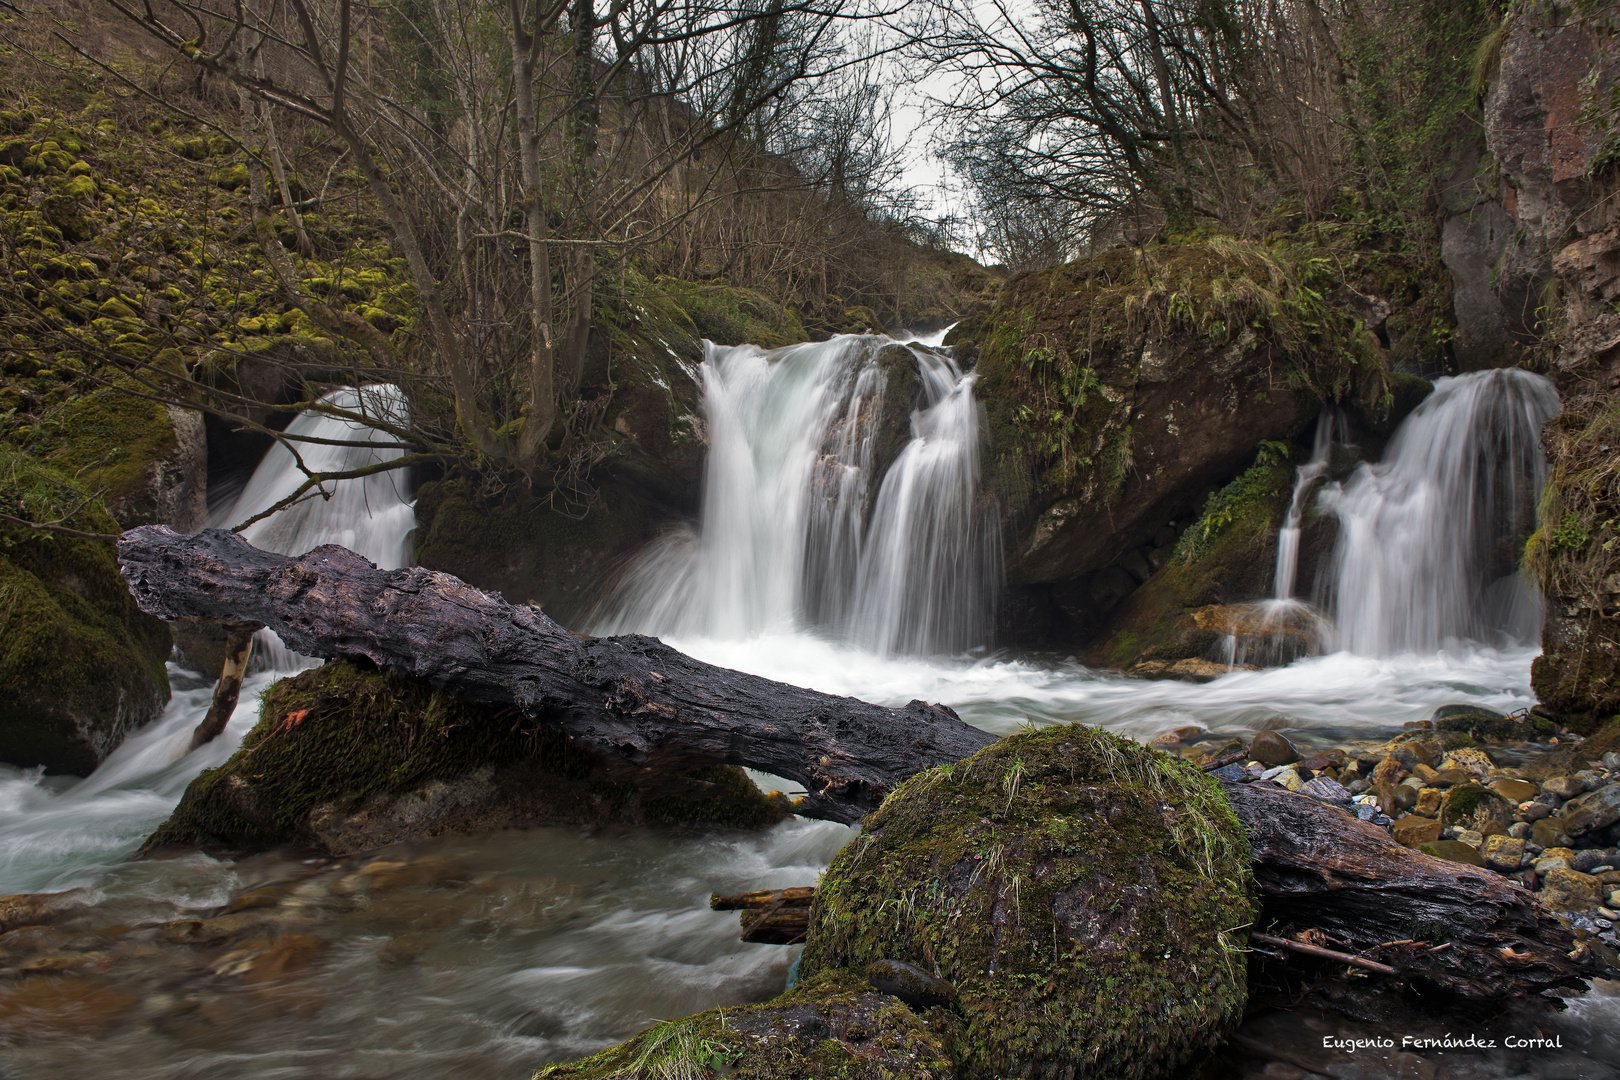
{"x": 369, "y": 515}
{"x": 1331, "y": 431}
{"x": 787, "y": 541}
{"x": 1430, "y": 538}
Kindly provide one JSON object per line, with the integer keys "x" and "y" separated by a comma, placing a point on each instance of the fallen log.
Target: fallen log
{"x": 630, "y": 695}
{"x": 1315, "y": 865}
{"x": 771, "y": 916}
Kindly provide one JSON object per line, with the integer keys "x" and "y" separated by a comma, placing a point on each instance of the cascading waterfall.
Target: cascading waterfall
{"x": 1331, "y": 431}
{"x": 1430, "y": 538}
{"x": 369, "y": 515}
{"x": 785, "y": 542}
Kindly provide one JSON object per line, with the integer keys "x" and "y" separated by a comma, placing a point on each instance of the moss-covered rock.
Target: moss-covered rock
{"x": 80, "y": 666}
{"x": 1120, "y": 389}
{"x": 1084, "y": 894}
{"x": 345, "y": 759}
{"x": 732, "y": 315}
{"x": 1227, "y": 556}
{"x": 831, "y": 1027}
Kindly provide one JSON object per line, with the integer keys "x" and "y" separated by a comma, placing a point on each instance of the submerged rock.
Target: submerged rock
{"x": 1079, "y": 891}
{"x": 345, "y": 759}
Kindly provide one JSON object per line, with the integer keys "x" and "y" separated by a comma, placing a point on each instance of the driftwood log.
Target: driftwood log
{"x": 1316, "y": 866}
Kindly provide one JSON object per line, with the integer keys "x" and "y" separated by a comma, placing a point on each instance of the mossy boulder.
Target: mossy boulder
{"x": 832, "y": 1027}
{"x": 1120, "y": 389}
{"x": 729, "y": 314}
{"x": 149, "y": 461}
{"x": 1084, "y": 894}
{"x": 346, "y": 759}
{"x": 80, "y": 666}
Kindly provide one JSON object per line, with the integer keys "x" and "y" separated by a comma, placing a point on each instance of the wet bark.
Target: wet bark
{"x": 238, "y": 647}
{"x": 629, "y": 695}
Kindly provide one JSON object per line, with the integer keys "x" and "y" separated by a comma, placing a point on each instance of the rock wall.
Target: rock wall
{"x": 1550, "y": 125}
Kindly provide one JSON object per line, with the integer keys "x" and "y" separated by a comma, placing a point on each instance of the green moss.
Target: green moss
{"x": 108, "y": 440}
{"x": 732, "y": 315}
{"x": 82, "y": 666}
{"x": 1084, "y": 894}
{"x": 339, "y": 736}
{"x": 830, "y": 1027}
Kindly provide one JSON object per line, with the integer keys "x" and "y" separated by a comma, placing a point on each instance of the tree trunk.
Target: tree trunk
{"x": 1316, "y": 866}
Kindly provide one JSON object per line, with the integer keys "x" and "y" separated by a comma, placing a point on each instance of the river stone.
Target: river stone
{"x": 1564, "y": 787}
{"x": 1502, "y": 853}
{"x": 1515, "y": 791}
{"x": 1413, "y": 831}
{"x": 1597, "y": 810}
{"x": 1549, "y": 832}
{"x": 1570, "y": 891}
{"x": 1428, "y": 802}
{"x": 1079, "y": 891}
{"x": 1470, "y": 806}
{"x": 1454, "y": 851}
{"x": 1273, "y": 748}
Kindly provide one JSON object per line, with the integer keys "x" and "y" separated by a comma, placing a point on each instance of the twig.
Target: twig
{"x": 1225, "y": 760}
{"x": 63, "y": 529}
{"x": 1325, "y": 954}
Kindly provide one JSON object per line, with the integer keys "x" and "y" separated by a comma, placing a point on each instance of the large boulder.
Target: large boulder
{"x": 1121, "y": 390}
{"x": 345, "y": 759}
{"x": 1559, "y": 182}
{"x": 1084, "y": 895}
{"x": 80, "y": 666}
{"x": 148, "y": 460}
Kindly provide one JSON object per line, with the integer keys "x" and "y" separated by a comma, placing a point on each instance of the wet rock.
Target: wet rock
{"x": 1563, "y": 787}
{"x": 1502, "y": 853}
{"x": 1535, "y": 811}
{"x": 1597, "y": 810}
{"x": 1413, "y": 831}
{"x": 1179, "y": 737}
{"x": 1515, "y": 791}
{"x": 1549, "y": 832}
{"x": 1470, "y": 806}
{"x": 1325, "y": 789}
{"x": 1453, "y": 850}
{"x": 1569, "y": 892}
{"x": 44, "y": 1006}
{"x": 1553, "y": 858}
{"x": 1273, "y": 748}
{"x": 1428, "y": 802}
{"x": 1520, "y": 830}
{"x": 40, "y": 909}
{"x": 268, "y": 959}
{"x": 1472, "y": 837}
{"x": 1474, "y": 762}
{"x": 1137, "y": 924}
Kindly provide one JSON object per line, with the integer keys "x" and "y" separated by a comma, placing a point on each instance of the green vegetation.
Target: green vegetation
{"x": 830, "y": 1027}
{"x": 340, "y": 739}
{"x": 1085, "y": 895}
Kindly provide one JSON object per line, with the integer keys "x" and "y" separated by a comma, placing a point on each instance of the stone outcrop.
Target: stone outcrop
{"x": 1550, "y": 125}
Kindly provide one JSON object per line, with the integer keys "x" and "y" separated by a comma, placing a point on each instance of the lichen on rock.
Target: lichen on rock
{"x": 1085, "y": 895}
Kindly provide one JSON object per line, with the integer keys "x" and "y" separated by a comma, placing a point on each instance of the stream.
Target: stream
{"x": 488, "y": 956}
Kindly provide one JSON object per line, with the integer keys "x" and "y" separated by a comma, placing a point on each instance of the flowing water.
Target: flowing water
{"x": 489, "y": 955}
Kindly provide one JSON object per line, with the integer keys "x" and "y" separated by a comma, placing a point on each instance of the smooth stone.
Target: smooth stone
{"x": 1563, "y": 787}
{"x": 1598, "y": 810}
{"x": 1326, "y": 789}
{"x": 1406, "y": 797}
{"x": 1549, "y": 833}
{"x": 1535, "y": 811}
{"x": 1273, "y": 748}
{"x": 1428, "y": 802}
{"x": 1472, "y": 837}
{"x": 1553, "y": 858}
{"x": 1451, "y": 778}
{"x": 1520, "y": 830}
{"x": 1516, "y": 791}
{"x": 1570, "y": 891}
{"x": 1453, "y": 851}
{"x": 1414, "y": 831}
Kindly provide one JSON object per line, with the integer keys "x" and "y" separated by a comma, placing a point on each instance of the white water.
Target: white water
{"x": 785, "y": 542}
{"x": 1430, "y": 537}
{"x": 1330, "y": 432}
{"x": 547, "y": 944}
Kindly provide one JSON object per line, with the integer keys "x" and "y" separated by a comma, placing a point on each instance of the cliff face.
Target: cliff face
{"x": 1550, "y": 125}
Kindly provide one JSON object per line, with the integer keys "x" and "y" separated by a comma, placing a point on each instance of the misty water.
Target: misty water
{"x": 490, "y": 955}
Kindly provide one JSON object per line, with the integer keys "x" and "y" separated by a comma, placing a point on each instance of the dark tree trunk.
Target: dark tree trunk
{"x": 630, "y": 695}
{"x": 1316, "y": 866}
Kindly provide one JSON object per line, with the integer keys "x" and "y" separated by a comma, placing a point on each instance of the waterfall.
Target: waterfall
{"x": 1430, "y": 538}
{"x": 1330, "y": 431}
{"x": 786, "y": 542}
{"x": 369, "y": 515}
